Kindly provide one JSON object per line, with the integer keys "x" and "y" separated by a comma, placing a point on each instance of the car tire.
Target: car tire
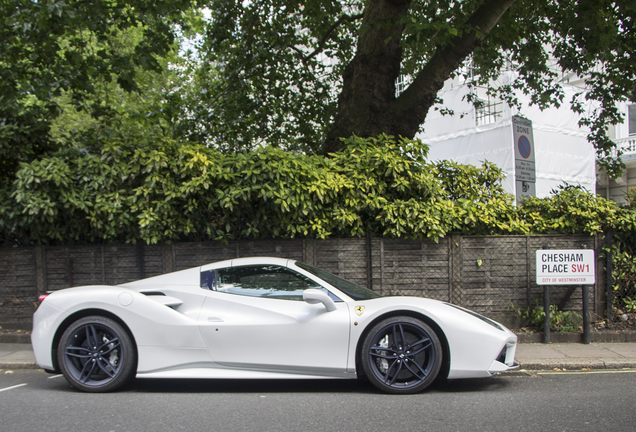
{"x": 96, "y": 354}
{"x": 401, "y": 355}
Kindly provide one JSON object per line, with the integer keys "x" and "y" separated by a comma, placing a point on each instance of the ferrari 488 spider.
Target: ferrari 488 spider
{"x": 261, "y": 318}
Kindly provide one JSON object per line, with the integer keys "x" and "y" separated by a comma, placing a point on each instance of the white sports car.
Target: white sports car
{"x": 261, "y": 318}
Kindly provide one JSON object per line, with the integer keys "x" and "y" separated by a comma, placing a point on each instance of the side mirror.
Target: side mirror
{"x": 315, "y": 296}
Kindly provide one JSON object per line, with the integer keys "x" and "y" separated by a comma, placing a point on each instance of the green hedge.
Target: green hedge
{"x": 169, "y": 191}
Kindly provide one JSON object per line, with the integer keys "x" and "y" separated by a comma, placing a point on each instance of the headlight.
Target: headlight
{"x": 476, "y": 315}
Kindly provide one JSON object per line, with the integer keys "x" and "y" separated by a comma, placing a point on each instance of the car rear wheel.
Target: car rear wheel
{"x": 96, "y": 354}
{"x": 401, "y": 355}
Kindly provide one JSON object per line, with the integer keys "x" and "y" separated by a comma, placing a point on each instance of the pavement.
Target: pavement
{"x": 575, "y": 356}
{"x": 17, "y": 356}
{"x": 531, "y": 356}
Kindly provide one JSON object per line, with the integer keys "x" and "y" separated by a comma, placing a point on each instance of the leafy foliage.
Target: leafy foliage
{"x": 167, "y": 191}
{"x": 624, "y": 274}
{"x": 284, "y": 62}
{"x": 296, "y": 75}
{"x": 162, "y": 190}
{"x": 560, "y": 321}
{"x": 623, "y": 256}
{"x": 154, "y": 112}
{"x": 571, "y": 209}
{"x": 280, "y": 65}
{"x": 630, "y": 305}
{"x": 50, "y": 47}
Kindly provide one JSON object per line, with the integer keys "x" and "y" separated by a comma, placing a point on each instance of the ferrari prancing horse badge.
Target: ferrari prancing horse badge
{"x": 359, "y": 310}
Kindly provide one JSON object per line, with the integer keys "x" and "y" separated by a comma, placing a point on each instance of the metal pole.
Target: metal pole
{"x": 586, "y": 315}
{"x": 609, "y": 281}
{"x": 546, "y": 309}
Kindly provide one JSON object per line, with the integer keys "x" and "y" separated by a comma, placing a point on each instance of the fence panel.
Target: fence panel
{"x": 346, "y": 258}
{"x": 494, "y": 272}
{"x": 18, "y": 287}
{"x": 415, "y": 268}
{"x": 484, "y": 273}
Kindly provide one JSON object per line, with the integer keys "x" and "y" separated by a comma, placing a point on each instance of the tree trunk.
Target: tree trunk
{"x": 367, "y": 105}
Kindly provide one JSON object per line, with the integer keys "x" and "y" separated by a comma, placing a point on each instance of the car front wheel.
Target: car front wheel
{"x": 401, "y": 355}
{"x": 96, "y": 354}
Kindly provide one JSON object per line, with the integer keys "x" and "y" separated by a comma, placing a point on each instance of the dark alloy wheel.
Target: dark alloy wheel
{"x": 401, "y": 355}
{"x": 96, "y": 354}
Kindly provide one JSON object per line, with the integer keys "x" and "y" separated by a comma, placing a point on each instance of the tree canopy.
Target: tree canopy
{"x": 55, "y": 47}
{"x": 303, "y": 75}
{"x": 317, "y": 71}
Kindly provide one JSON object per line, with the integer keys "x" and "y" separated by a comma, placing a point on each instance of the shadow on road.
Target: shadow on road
{"x": 298, "y": 386}
{"x": 497, "y": 383}
{"x": 247, "y": 386}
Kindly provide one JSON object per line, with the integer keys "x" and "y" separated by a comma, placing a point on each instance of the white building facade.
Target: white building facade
{"x": 624, "y": 135}
{"x": 562, "y": 154}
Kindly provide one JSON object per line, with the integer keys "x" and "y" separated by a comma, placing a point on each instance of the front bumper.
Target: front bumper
{"x": 505, "y": 361}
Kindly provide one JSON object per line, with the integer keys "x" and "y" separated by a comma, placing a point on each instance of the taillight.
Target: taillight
{"x": 43, "y": 296}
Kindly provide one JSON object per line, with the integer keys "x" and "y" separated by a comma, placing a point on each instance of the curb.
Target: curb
{"x": 20, "y": 338}
{"x": 19, "y": 365}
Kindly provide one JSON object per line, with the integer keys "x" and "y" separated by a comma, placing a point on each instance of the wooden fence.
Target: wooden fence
{"x": 482, "y": 273}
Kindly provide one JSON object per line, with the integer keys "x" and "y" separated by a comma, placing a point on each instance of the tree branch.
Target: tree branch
{"x": 420, "y": 95}
{"x": 326, "y": 37}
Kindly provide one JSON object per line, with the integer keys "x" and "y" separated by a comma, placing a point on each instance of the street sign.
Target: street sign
{"x": 525, "y": 172}
{"x": 565, "y": 267}
{"x": 525, "y": 149}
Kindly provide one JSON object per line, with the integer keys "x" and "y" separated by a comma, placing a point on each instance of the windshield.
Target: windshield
{"x": 354, "y": 291}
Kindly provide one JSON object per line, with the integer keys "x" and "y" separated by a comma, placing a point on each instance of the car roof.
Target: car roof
{"x": 237, "y": 262}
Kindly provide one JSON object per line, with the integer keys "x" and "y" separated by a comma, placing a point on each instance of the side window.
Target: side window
{"x": 208, "y": 280}
{"x": 260, "y": 281}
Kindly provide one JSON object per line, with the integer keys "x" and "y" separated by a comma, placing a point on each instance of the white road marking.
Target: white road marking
{"x": 12, "y": 387}
{"x": 55, "y": 376}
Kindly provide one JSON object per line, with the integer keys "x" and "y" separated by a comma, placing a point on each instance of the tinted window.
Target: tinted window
{"x": 354, "y": 291}
{"x": 260, "y": 281}
{"x": 208, "y": 279}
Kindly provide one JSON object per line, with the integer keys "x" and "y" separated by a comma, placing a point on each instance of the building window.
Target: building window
{"x": 401, "y": 84}
{"x": 488, "y": 111}
{"x": 631, "y": 114}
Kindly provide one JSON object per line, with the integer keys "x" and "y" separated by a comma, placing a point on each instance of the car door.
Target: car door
{"x": 254, "y": 317}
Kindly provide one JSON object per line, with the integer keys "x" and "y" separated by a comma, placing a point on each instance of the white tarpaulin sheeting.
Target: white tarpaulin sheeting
{"x": 562, "y": 152}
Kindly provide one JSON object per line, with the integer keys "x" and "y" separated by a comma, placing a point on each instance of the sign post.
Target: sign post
{"x": 566, "y": 267}
{"x": 525, "y": 173}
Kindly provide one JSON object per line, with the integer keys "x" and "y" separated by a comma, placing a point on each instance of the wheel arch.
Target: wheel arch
{"x": 445, "y": 369}
{"x": 79, "y": 315}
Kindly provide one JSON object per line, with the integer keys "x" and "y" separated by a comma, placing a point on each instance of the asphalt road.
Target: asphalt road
{"x": 31, "y": 400}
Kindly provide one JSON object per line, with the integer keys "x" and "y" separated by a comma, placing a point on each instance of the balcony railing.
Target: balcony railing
{"x": 627, "y": 145}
